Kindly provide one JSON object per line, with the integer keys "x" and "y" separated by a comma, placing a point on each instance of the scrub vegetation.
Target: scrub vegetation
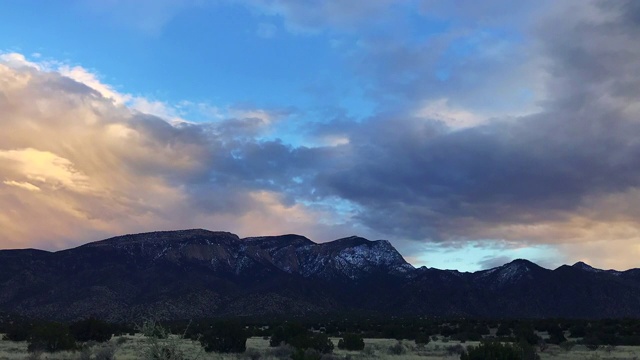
{"x": 465, "y": 339}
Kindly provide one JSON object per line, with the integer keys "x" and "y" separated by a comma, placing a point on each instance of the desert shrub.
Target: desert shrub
{"x": 567, "y": 345}
{"x": 85, "y": 353}
{"x": 225, "y": 338}
{"x": 542, "y": 345}
{"x": 578, "y": 330}
{"x": 280, "y": 352}
{"x": 167, "y": 352}
{"x": 319, "y": 342}
{"x": 351, "y": 342}
{"x": 158, "y": 344}
{"x": 592, "y": 342}
{"x": 422, "y": 339}
{"x": 283, "y": 333}
{"x": 18, "y": 332}
{"x": 106, "y": 352}
{"x": 34, "y": 355}
{"x": 499, "y": 351}
{"x": 300, "y": 338}
{"x": 394, "y": 331}
{"x": 51, "y": 337}
{"x": 397, "y": 349}
{"x": 526, "y": 333}
{"x": 467, "y": 336}
{"x": 592, "y": 346}
{"x": 335, "y": 357}
{"x": 252, "y": 354}
{"x": 91, "y": 329}
{"x": 369, "y": 350}
{"x": 503, "y": 330}
{"x": 455, "y": 349}
{"x": 556, "y": 336}
{"x": 306, "y": 354}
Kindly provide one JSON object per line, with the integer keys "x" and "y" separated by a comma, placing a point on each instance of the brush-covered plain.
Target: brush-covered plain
{"x": 130, "y": 347}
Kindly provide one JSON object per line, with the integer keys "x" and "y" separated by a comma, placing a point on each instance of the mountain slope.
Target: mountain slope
{"x": 200, "y": 273}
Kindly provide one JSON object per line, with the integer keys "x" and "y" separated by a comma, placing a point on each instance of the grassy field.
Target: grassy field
{"x": 133, "y": 347}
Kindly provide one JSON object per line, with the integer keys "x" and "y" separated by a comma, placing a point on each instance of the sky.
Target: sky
{"x": 467, "y": 133}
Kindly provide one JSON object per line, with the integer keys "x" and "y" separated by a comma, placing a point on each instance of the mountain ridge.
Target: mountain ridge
{"x": 201, "y": 273}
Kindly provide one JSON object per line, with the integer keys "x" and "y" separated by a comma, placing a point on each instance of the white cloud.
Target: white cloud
{"x": 22, "y": 184}
{"x": 76, "y": 167}
{"x": 82, "y": 75}
{"x": 454, "y": 118}
{"x": 43, "y": 167}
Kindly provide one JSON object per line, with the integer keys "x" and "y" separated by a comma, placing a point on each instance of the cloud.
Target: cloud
{"x": 77, "y": 165}
{"x": 24, "y": 185}
{"x": 147, "y": 16}
{"x": 567, "y": 173}
{"x": 321, "y": 15}
{"x": 521, "y": 130}
{"x": 82, "y": 75}
{"x": 452, "y": 117}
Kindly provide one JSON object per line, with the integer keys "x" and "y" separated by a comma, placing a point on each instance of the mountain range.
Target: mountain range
{"x": 198, "y": 273}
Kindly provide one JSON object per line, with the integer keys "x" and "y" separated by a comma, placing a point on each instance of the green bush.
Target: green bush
{"x": 498, "y": 351}
{"x": 455, "y": 349}
{"x": 158, "y": 344}
{"x": 397, "y": 348}
{"x": 422, "y": 339}
{"x": 106, "y": 352}
{"x": 306, "y": 354}
{"x": 526, "y": 333}
{"x": 225, "y": 338}
{"x": 283, "y": 333}
{"x": 319, "y": 342}
{"x": 503, "y": 330}
{"x": 300, "y": 338}
{"x": 91, "y": 330}
{"x": 556, "y": 335}
{"x": 578, "y": 330}
{"x": 51, "y": 337}
{"x": 18, "y": 332}
{"x": 567, "y": 345}
{"x": 352, "y": 342}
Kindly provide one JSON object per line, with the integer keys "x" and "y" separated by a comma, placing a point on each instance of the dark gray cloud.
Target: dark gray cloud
{"x": 414, "y": 178}
{"x": 572, "y": 164}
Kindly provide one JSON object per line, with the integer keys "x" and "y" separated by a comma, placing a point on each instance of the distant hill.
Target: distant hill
{"x": 198, "y": 273}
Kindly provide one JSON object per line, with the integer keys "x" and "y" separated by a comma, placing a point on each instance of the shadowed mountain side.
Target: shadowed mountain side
{"x": 200, "y": 273}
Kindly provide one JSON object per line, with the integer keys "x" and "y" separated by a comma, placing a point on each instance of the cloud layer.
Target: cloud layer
{"x": 525, "y": 140}
{"x": 77, "y": 165}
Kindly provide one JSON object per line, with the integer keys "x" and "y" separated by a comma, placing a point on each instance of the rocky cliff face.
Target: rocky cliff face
{"x": 351, "y": 257}
{"x": 200, "y": 273}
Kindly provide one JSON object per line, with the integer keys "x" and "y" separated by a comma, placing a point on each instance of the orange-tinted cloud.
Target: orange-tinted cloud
{"x": 77, "y": 164}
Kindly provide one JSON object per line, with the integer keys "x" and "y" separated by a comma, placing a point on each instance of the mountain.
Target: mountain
{"x": 198, "y": 273}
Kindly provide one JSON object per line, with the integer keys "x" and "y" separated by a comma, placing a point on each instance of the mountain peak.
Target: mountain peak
{"x": 282, "y": 240}
{"x": 586, "y": 267}
{"x": 161, "y": 237}
{"x": 349, "y": 241}
{"x": 512, "y": 271}
{"x": 521, "y": 263}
